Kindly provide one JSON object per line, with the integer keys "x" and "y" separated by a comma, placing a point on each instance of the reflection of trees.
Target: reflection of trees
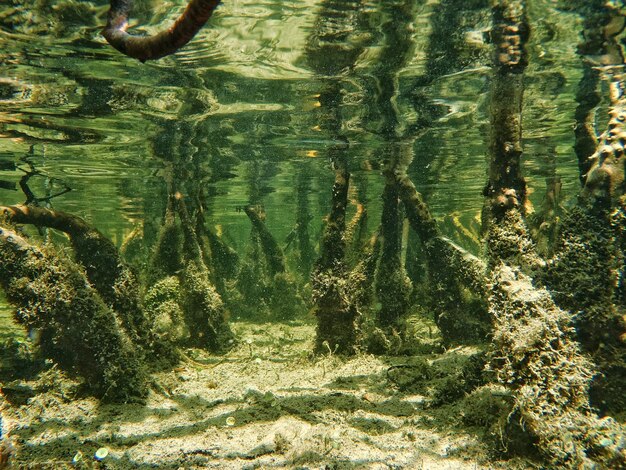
{"x": 448, "y": 52}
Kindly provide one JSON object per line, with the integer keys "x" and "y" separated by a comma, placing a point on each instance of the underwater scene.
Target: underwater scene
{"x": 312, "y": 234}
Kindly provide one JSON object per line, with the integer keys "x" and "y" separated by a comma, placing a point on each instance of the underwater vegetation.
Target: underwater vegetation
{"x": 541, "y": 292}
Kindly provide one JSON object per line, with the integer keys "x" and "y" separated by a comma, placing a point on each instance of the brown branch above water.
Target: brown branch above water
{"x": 164, "y": 43}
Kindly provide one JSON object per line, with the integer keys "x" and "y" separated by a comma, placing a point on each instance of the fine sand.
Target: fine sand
{"x": 267, "y": 404}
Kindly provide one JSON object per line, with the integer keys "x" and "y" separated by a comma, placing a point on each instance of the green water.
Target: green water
{"x": 236, "y": 113}
{"x": 242, "y": 99}
{"x": 263, "y": 109}
{"x": 237, "y": 117}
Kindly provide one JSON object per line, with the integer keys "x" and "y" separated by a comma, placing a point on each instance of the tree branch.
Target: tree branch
{"x": 164, "y": 43}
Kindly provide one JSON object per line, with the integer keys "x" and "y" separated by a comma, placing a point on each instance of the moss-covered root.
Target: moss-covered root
{"x": 508, "y": 241}
{"x": 457, "y": 276}
{"x": 334, "y": 305}
{"x": 203, "y": 306}
{"x": 604, "y": 182}
{"x": 586, "y": 276}
{"x": 225, "y": 260}
{"x": 458, "y": 293}
{"x": 272, "y": 251}
{"x": 162, "y": 301}
{"x": 336, "y": 312}
{"x": 78, "y": 330}
{"x": 114, "y": 280}
{"x": 506, "y": 188}
{"x": 601, "y": 160}
{"x": 393, "y": 287}
{"x": 166, "y": 258}
{"x": 417, "y": 212}
{"x": 204, "y": 310}
{"x": 536, "y": 356}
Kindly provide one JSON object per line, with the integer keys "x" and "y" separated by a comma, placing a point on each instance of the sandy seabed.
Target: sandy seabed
{"x": 266, "y": 404}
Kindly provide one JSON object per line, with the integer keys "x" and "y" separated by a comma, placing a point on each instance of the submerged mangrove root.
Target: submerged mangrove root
{"x": 306, "y": 251}
{"x": 458, "y": 278}
{"x": 251, "y": 289}
{"x": 166, "y": 259}
{"x": 78, "y": 331}
{"x": 204, "y": 310}
{"x": 181, "y": 299}
{"x": 334, "y": 305}
{"x": 417, "y": 211}
{"x": 272, "y": 251}
{"x": 336, "y": 312}
{"x": 544, "y": 224}
{"x": 362, "y": 276}
{"x": 163, "y": 301}
{"x": 356, "y": 234}
{"x": 602, "y": 24}
{"x": 534, "y": 349}
{"x": 164, "y": 43}
{"x": 114, "y": 280}
{"x": 506, "y": 188}
{"x": 263, "y": 279}
{"x": 508, "y": 241}
{"x": 588, "y": 98}
{"x": 393, "y": 287}
{"x": 224, "y": 260}
{"x": 536, "y": 356}
{"x": 460, "y": 296}
{"x": 586, "y": 277}
{"x": 586, "y": 274}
